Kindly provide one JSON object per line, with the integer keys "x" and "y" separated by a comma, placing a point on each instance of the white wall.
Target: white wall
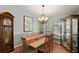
{"x": 18, "y": 21}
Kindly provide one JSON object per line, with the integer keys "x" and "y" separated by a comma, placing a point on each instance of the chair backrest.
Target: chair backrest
{"x": 24, "y": 43}
{"x": 49, "y": 39}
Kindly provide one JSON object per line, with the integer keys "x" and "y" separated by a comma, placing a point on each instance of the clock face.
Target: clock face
{"x": 7, "y": 21}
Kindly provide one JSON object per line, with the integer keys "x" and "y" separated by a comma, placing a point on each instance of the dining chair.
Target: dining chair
{"x": 25, "y": 46}
{"x": 48, "y": 45}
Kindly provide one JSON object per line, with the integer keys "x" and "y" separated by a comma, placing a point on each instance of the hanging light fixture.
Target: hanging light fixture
{"x": 43, "y": 19}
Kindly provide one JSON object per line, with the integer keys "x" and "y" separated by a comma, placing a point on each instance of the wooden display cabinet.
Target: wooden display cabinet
{"x": 6, "y": 32}
{"x": 70, "y": 34}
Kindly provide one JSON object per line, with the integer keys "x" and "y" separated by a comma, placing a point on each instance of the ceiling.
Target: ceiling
{"x": 50, "y": 10}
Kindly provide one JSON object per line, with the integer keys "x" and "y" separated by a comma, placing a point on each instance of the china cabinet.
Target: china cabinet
{"x": 6, "y": 32}
{"x": 70, "y": 33}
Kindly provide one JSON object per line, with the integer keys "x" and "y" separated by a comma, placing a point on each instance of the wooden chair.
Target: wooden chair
{"x": 25, "y": 46}
{"x": 48, "y": 46}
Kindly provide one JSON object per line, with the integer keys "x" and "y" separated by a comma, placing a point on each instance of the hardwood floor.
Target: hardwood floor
{"x": 18, "y": 49}
{"x": 57, "y": 48}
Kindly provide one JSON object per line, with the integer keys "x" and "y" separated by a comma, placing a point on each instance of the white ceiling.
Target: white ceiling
{"x": 50, "y": 10}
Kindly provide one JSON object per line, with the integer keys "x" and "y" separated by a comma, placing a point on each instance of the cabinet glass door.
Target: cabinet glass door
{"x": 7, "y": 36}
{"x": 63, "y": 37}
{"x": 68, "y": 34}
{"x": 74, "y": 34}
{"x": 7, "y": 32}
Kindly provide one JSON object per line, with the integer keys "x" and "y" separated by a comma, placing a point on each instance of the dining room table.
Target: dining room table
{"x": 36, "y": 41}
{"x": 37, "y": 44}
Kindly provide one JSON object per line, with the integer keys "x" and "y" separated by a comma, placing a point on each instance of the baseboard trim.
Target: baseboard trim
{"x": 17, "y": 45}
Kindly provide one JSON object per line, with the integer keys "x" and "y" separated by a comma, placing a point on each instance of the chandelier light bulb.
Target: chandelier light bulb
{"x": 46, "y": 18}
{"x": 43, "y": 17}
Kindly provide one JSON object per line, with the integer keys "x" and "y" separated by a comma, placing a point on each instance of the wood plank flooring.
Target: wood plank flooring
{"x": 59, "y": 49}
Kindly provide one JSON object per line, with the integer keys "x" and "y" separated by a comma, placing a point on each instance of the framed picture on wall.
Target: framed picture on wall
{"x": 27, "y": 24}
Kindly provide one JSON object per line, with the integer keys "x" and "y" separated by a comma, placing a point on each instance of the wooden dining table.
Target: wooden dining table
{"x": 35, "y": 41}
{"x": 37, "y": 44}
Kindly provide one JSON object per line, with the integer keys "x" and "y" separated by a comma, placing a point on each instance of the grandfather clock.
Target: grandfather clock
{"x": 6, "y": 32}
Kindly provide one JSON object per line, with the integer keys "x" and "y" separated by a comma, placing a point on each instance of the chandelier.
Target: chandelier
{"x": 43, "y": 19}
